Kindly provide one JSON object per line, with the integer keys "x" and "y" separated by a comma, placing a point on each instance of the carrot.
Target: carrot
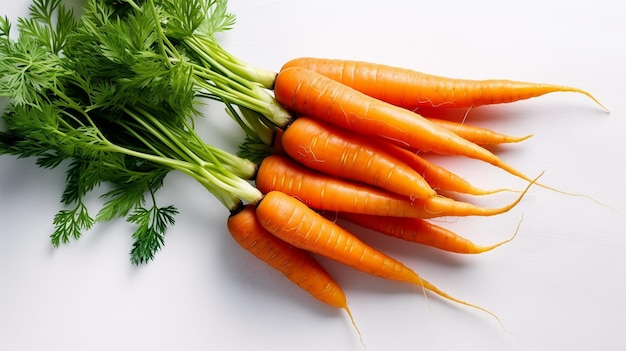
{"x": 411, "y": 89}
{"x": 296, "y": 264}
{"x": 438, "y": 177}
{"x": 292, "y": 221}
{"x": 419, "y": 231}
{"x": 277, "y": 142}
{"x": 477, "y": 135}
{"x": 341, "y": 153}
{"x": 324, "y": 192}
{"x": 309, "y": 93}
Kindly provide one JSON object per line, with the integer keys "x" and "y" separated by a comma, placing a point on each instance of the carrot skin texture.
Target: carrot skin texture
{"x": 309, "y": 93}
{"x": 341, "y": 153}
{"x": 312, "y": 94}
{"x": 438, "y": 177}
{"x": 296, "y": 264}
{"x": 292, "y": 221}
{"x": 417, "y": 231}
{"x": 324, "y": 192}
{"x": 412, "y": 89}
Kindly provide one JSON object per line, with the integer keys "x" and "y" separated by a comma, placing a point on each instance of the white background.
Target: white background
{"x": 560, "y": 285}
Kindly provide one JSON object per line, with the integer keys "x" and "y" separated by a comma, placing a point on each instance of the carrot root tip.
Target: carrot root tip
{"x": 353, "y": 321}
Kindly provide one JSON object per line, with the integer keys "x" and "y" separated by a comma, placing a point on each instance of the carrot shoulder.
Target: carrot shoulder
{"x": 412, "y": 89}
{"x": 341, "y": 153}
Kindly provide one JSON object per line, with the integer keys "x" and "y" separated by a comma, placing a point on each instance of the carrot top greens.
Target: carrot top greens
{"x": 112, "y": 94}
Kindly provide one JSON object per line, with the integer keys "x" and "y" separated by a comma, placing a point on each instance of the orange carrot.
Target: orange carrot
{"x": 309, "y": 93}
{"x": 477, "y": 135}
{"x": 438, "y": 177}
{"x": 292, "y": 221}
{"x": 297, "y": 265}
{"x": 411, "y": 89}
{"x": 324, "y": 192}
{"x": 419, "y": 231}
{"x": 341, "y": 153}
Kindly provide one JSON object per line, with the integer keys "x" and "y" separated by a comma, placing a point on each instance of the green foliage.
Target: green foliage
{"x": 192, "y": 17}
{"x": 149, "y": 235}
{"x": 129, "y": 194}
{"x": 115, "y": 97}
{"x": 41, "y": 24}
{"x": 70, "y": 224}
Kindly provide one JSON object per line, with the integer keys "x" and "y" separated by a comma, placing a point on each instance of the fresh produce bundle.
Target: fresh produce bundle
{"x": 114, "y": 93}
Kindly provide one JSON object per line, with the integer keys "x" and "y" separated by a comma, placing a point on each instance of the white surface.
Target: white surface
{"x": 560, "y": 285}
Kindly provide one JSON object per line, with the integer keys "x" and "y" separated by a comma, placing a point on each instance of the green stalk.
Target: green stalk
{"x": 208, "y": 50}
{"x": 252, "y": 97}
{"x": 227, "y": 186}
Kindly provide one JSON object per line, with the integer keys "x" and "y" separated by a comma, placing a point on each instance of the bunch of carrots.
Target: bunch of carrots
{"x": 352, "y": 150}
{"x": 326, "y": 139}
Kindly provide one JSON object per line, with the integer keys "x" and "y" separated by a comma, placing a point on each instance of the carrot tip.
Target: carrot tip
{"x": 518, "y": 200}
{"x": 349, "y": 312}
{"x": 595, "y": 100}
{"x": 570, "y": 193}
{"x": 429, "y": 286}
{"x": 481, "y": 192}
{"x": 520, "y": 139}
{"x": 491, "y": 247}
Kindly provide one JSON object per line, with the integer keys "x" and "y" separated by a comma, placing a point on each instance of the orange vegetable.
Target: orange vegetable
{"x": 341, "y": 153}
{"x": 438, "y": 177}
{"x": 312, "y": 94}
{"x": 324, "y": 192}
{"x": 419, "y": 231}
{"x": 292, "y": 221}
{"x": 296, "y": 264}
{"x": 411, "y": 89}
{"x": 477, "y": 135}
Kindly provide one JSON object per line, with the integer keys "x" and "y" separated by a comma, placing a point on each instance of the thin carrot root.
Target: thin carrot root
{"x": 510, "y": 169}
{"x": 519, "y": 199}
{"x": 512, "y": 139}
{"x": 356, "y": 327}
{"x": 466, "y": 210}
{"x": 515, "y": 172}
{"x": 491, "y": 247}
{"x": 429, "y": 286}
{"x": 588, "y": 94}
{"x": 481, "y": 192}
